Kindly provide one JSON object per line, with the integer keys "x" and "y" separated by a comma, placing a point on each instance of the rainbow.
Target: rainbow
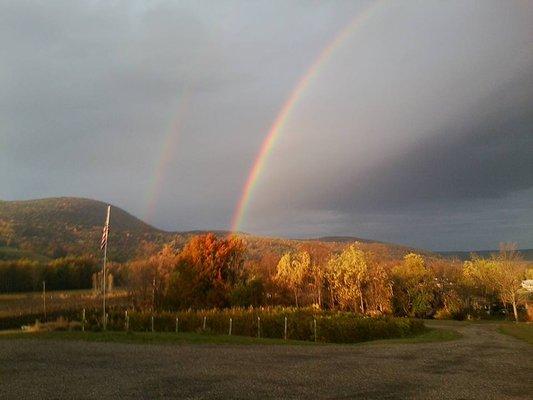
{"x": 283, "y": 115}
{"x": 168, "y": 149}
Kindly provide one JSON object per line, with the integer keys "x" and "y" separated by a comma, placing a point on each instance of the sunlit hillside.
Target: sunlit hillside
{"x": 55, "y": 227}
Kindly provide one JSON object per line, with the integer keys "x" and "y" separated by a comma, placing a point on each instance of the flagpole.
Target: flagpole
{"x": 104, "y": 319}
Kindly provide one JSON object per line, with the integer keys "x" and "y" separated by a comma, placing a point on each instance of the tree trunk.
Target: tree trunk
{"x": 362, "y": 303}
{"x": 296, "y": 297}
{"x": 515, "y": 311}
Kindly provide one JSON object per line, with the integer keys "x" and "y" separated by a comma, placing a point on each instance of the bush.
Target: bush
{"x": 334, "y": 327}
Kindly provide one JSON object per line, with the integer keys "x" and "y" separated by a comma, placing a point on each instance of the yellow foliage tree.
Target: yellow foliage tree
{"x": 293, "y": 270}
{"x": 508, "y": 274}
{"x": 413, "y": 286}
{"x": 348, "y": 273}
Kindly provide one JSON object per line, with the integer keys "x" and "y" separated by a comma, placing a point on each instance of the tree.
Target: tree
{"x": 248, "y": 293}
{"x": 139, "y": 280}
{"x": 413, "y": 287}
{"x": 205, "y": 272}
{"x": 478, "y": 276}
{"x": 501, "y": 276}
{"x": 508, "y": 275}
{"x": 378, "y": 289}
{"x": 292, "y": 271}
{"x": 448, "y": 288}
{"x": 319, "y": 254}
{"x": 348, "y": 273}
{"x": 7, "y": 232}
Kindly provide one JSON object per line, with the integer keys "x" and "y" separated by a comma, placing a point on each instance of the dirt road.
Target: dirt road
{"x": 482, "y": 365}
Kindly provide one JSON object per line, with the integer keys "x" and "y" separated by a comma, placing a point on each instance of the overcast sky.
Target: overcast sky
{"x": 417, "y": 130}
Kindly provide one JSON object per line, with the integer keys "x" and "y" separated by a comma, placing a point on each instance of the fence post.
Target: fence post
{"x": 152, "y": 323}
{"x": 203, "y": 327}
{"x": 44, "y": 300}
{"x": 83, "y": 320}
{"x": 314, "y": 326}
{"x": 285, "y": 330}
{"x": 258, "y": 327}
{"x": 127, "y": 320}
{"x": 230, "y": 326}
{"x": 177, "y": 322}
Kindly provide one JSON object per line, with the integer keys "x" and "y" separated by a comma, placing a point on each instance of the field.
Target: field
{"x": 481, "y": 364}
{"x": 13, "y": 304}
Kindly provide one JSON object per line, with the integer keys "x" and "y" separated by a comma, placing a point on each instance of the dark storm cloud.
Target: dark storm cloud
{"x": 486, "y": 153}
{"x": 471, "y": 181}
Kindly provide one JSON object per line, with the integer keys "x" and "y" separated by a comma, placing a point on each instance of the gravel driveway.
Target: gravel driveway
{"x": 482, "y": 365}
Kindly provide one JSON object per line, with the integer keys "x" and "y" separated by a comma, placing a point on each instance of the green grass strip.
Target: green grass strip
{"x": 431, "y": 335}
{"x": 520, "y": 330}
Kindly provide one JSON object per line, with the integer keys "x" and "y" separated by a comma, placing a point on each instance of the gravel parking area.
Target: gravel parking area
{"x": 484, "y": 364}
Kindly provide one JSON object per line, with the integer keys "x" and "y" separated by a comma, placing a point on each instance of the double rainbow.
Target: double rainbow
{"x": 283, "y": 116}
{"x": 168, "y": 150}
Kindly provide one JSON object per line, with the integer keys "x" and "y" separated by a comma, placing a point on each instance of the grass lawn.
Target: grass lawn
{"x": 431, "y": 335}
{"x": 520, "y": 330}
{"x": 149, "y": 337}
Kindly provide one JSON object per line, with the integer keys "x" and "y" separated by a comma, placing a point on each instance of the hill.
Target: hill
{"x": 54, "y": 227}
{"x": 527, "y": 254}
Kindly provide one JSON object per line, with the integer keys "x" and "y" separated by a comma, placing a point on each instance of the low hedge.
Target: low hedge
{"x": 331, "y": 327}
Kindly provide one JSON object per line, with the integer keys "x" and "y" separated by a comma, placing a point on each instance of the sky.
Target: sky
{"x": 416, "y": 127}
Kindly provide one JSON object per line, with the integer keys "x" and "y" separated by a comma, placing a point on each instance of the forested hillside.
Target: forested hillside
{"x": 57, "y": 227}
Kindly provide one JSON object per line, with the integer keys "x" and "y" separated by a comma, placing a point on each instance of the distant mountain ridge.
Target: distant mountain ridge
{"x": 527, "y": 254}
{"x": 345, "y": 239}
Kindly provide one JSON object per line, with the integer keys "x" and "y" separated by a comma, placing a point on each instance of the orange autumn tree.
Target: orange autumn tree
{"x": 206, "y": 271}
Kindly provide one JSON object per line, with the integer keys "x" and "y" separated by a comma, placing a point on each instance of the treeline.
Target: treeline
{"x": 220, "y": 272}
{"x": 60, "y": 274}
{"x": 214, "y": 272}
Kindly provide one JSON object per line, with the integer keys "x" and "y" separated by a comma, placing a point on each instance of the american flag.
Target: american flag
{"x": 105, "y": 232}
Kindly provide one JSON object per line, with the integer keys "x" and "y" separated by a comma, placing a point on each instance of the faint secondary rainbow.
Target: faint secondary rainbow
{"x": 283, "y": 115}
{"x": 168, "y": 150}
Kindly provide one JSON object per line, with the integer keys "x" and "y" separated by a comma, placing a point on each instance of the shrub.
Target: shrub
{"x": 334, "y": 327}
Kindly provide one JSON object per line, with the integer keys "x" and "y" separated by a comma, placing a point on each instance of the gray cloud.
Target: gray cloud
{"x": 424, "y": 110}
{"x": 486, "y": 153}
